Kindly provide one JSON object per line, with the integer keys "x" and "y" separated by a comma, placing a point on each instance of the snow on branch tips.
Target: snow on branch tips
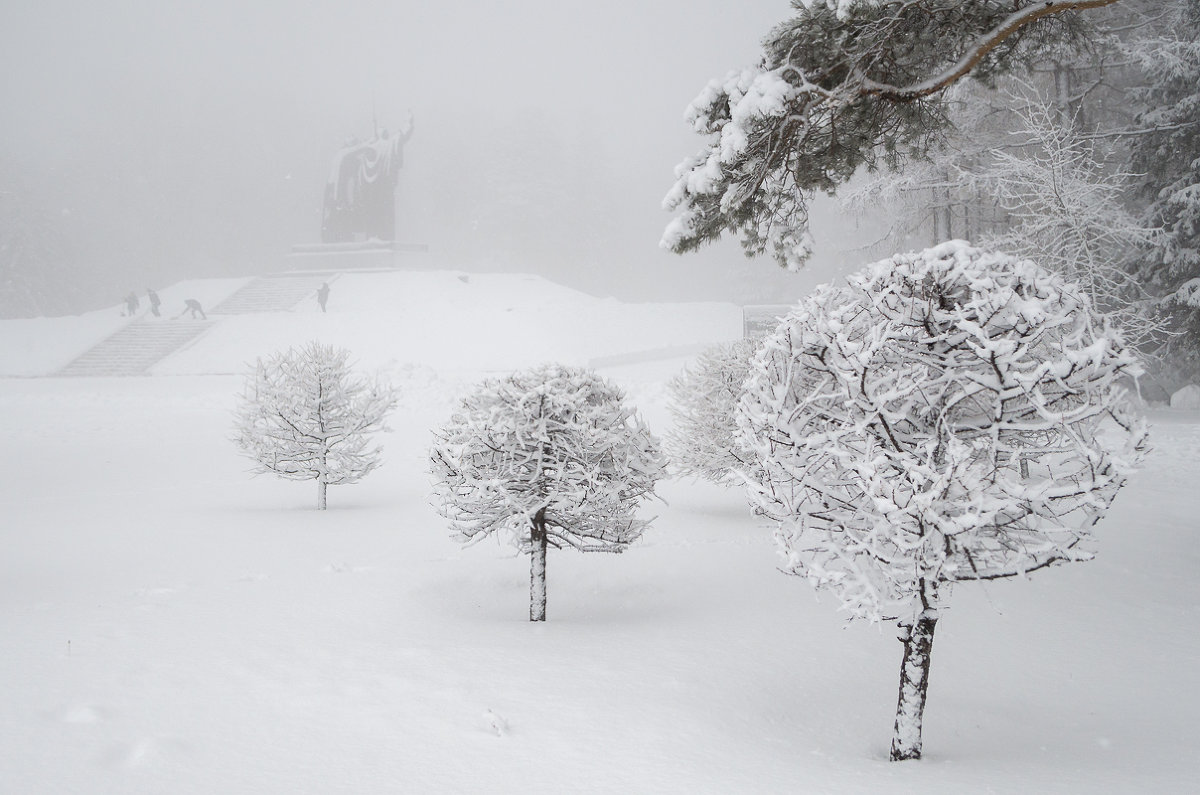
{"x": 947, "y": 416}
{"x": 843, "y": 84}
{"x": 549, "y": 456}
{"x": 304, "y": 415}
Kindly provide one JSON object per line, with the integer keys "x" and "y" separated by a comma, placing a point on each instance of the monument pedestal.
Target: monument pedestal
{"x": 371, "y": 255}
{"x": 360, "y": 215}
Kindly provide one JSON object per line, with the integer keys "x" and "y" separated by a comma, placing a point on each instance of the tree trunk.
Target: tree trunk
{"x": 537, "y": 568}
{"x": 323, "y": 459}
{"x": 914, "y": 682}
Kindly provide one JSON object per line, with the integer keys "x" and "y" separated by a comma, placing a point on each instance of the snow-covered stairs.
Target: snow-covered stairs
{"x": 135, "y": 348}
{"x": 277, "y": 293}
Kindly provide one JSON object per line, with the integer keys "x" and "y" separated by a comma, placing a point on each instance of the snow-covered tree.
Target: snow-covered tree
{"x": 703, "y": 399}
{"x": 305, "y": 415}
{"x": 948, "y": 416}
{"x": 550, "y": 456}
{"x": 1065, "y": 209}
{"x": 1167, "y": 152}
{"x": 843, "y": 84}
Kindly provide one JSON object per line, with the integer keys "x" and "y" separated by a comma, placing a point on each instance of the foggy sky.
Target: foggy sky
{"x": 189, "y": 139}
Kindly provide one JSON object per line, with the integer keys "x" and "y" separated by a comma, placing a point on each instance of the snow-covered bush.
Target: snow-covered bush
{"x": 703, "y": 400}
{"x": 950, "y": 415}
{"x": 551, "y": 456}
{"x": 304, "y": 415}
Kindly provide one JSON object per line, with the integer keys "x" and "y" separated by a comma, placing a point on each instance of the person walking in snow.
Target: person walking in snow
{"x": 152, "y": 297}
{"x": 323, "y": 295}
{"x": 131, "y": 304}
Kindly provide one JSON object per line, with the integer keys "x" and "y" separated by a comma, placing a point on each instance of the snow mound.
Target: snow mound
{"x": 1186, "y": 398}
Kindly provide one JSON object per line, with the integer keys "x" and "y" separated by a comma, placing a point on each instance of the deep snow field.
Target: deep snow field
{"x": 170, "y": 624}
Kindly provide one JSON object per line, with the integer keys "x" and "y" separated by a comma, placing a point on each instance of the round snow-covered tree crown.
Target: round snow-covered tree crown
{"x": 555, "y": 444}
{"x": 950, "y": 415}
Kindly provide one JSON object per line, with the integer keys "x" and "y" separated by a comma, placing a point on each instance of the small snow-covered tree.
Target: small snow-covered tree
{"x": 948, "y": 416}
{"x": 551, "y": 456}
{"x": 304, "y": 415}
{"x": 704, "y": 441}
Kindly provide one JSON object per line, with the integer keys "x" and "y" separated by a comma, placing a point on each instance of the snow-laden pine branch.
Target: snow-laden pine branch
{"x": 842, "y": 85}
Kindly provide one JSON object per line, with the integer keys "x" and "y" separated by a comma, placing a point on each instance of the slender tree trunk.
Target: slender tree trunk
{"x": 914, "y": 682}
{"x": 537, "y": 568}
{"x": 1067, "y": 110}
{"x": 937, "y": 219}
{"x": 321, "y": 484}
{"x": 948, "y": 210}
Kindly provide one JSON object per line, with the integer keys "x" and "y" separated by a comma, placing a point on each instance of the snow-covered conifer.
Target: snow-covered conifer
{"x": 704, "y": 441}
{"x": 304, "y": 415}
{"x": 1167, "y": 153}
{"x": 842, "y": 85}
{"x": 948, "y": 416}
{"x": 551, "y": 456}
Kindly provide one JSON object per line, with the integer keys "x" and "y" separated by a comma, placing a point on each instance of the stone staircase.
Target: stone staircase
{"x": 277, "y": 293}
{"x": 142, "y": 343}
{"x": 135, "y": 348}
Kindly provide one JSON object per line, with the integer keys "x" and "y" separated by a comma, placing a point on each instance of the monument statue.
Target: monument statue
{"x": 360, "y": 196}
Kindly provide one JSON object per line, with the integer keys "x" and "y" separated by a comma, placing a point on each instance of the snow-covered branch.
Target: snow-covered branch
{"x": 979, "y": 50}
{"x": 840, "y": 87}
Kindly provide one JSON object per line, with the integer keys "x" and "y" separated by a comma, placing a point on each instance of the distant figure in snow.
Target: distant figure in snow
{"x": 323, "y": 295}
{"x": 131, "y": 304}
{"x": 193, "y": 306}
{"x": 152, "y": 297}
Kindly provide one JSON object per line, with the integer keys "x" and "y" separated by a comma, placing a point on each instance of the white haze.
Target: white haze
{"x": 177, "y": 140}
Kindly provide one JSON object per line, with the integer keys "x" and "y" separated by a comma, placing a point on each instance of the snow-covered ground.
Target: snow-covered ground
{"x": 170, "y": 624}
{"x": 39, "y": 346}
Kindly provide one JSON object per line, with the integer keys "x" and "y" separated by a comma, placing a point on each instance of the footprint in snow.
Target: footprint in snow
{"x": 345, "y": 568}
{"x": 496, "y": 724}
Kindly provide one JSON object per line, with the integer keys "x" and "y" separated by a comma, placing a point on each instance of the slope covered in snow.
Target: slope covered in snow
{"x": 39, "y": 346}
{"x": 396, "y": 318}
{"x": 172, "y": 624}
